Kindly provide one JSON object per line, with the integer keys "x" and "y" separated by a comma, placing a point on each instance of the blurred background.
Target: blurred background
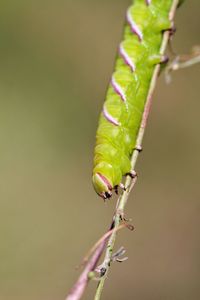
{"x": 56, "y": 58}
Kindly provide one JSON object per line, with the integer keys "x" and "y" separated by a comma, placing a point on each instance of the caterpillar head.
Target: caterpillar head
{"x": 102, "y": 185}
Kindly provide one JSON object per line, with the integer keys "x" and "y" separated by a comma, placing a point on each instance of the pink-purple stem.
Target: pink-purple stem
{"x": 82, "y": 282}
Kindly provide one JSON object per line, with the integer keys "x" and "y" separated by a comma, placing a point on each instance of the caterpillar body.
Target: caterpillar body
{"x": 122, "y": 111}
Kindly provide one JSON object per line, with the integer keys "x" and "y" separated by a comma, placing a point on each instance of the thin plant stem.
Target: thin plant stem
{"x": 129, "y": 181}
{"x": 186, "y": 64}
{"x": 90, "y": 266}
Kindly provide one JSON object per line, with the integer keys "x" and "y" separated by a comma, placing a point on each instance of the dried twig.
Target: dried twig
{"x": 82, "y": 282}
{"x": 183, "y": 61}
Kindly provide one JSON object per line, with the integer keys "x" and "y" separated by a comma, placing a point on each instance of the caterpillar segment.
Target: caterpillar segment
{"x": 121, "y": 116}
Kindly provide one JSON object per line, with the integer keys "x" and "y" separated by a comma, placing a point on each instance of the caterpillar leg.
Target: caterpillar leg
{"x": 116, "y": 190}
{"x": 172, "y": 30}
{"x": 122, "y": 186}
{"x": 158, "y": 59}
{"x": 138, "y": 148}
{"x": 132, "y": 174}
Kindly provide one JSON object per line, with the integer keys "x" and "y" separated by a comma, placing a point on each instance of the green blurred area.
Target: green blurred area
{"x": 56, "y": 59}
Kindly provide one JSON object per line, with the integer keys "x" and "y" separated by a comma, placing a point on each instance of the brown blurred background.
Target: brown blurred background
{"x": 56, "y": 58}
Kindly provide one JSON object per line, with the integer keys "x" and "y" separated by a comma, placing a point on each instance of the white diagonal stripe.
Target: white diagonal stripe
{"x": 133, "y": 25}
{"x": 110, "y": 118}
{"x": 118, "y": 89}
{"x": 126, "y": 57}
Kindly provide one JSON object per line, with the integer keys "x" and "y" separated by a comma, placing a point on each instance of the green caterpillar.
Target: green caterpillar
{"x": 127, "y": 93}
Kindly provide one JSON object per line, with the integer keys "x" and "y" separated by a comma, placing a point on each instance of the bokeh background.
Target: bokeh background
{"x": 56, "y": 58}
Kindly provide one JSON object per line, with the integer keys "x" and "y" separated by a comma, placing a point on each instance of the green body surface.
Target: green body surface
{"x": 127, "y": 93}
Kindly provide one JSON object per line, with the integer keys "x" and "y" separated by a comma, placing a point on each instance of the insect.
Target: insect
{"x": 122, "y": 111}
